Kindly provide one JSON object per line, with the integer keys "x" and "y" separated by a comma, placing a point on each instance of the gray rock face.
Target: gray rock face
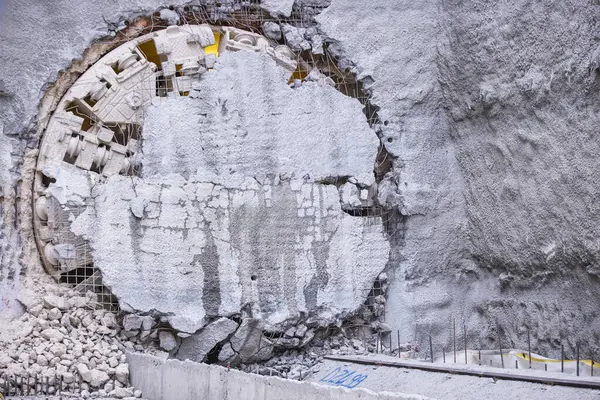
{"x": 197, "y": 346}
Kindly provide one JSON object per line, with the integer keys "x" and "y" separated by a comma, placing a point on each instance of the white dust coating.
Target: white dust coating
{"x": 202, "y": 249}
{"x": 244, "y": 118}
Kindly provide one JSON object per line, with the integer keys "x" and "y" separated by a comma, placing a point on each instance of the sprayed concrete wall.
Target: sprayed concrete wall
{"x": 490, "y": 112}
{"x": 172, "y": 379}
{"x": 206, "y": 249}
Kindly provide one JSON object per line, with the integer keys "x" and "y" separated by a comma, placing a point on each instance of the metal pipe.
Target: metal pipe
{"x": 444, "y": 354}
{"x": 479, "y": 356}
{"x": 399, "y": 343}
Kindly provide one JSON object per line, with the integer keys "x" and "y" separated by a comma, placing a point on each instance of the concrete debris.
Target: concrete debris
{"x": 132, "y": 322}
{"x": 281, "y": 8}
{"x": 168, "y": 341}
{"x": 249, "y": 343}
{"x": 53, "y": 301}
{"x": 170, "y": 16}
{"x": 294, "y": 37}
{"x": 198, "y": 345}
{"x": 122, "y": 373}
{"x": 272, "y": 30}
{"x": 62, "y": 341}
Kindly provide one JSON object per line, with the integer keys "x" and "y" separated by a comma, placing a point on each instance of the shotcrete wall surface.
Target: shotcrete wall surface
{"x": 488, "y": 111}
{"x": 173, "y": 379}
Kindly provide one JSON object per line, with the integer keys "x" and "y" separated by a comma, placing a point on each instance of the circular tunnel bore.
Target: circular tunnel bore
{"x": 97, "y": 130}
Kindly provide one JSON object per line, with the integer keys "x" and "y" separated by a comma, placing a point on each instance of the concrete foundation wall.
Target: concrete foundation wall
{"x": 173, "y": 379}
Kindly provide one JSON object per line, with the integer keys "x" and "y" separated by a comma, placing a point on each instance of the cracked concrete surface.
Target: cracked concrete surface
{"x": 206, "y": 249}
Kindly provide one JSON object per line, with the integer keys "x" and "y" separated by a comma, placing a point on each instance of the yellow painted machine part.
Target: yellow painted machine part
{"x": 214, "y": 48}
{"x": 148, "y": 49}
{"x": 299, "y": 73}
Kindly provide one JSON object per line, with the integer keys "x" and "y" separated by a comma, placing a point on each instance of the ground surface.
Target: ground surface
{"x": 449, "y": 386}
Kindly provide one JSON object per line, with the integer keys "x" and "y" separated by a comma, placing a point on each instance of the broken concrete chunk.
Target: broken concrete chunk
{"x": 301, "y": 330}
{"x": 226, "y": 353}
{"x": 308, "y": 337}
{"x": 278, "y": 7}
{"x": 287, "y": 343}
{"x": 122, "y": 373}
{"x": 349, "y": 195}
{"x": 54, "y": 314}
{"x": 132, "y": 322}
{"x": 168, "y": 341}
{"x": 249, "y": 342}
{"x": 52, "y": 335}
{"x": 138, "y": 206}
{"x": 121, "y": 393}
{"x": 97, "y": 378}
{"x": 109, "y": 320}
{"x": 294, "y": 37}
{"x": 290, "y": 332}
{"x": 170, "y": 16}
{"x": 84, "y": 372}
{"x": 198, "y": 345}
{"x": 147, "y": 322}
{"x": 272, "y": 30}
{"x": 5, "y": 360}
{"x": 79, "y": 301}
{"x": 52, "y": 301}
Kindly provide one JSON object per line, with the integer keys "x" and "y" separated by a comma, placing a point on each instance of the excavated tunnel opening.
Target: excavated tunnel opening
{"x": 85, "y": 276}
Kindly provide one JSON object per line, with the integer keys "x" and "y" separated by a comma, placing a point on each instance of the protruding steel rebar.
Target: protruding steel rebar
{"x": 577, "y": 347}
{"x": 431, "y": 348}
{"x": 454, "y": 335}
{"x": 465, "y": 338}
{"x": 529, "y": 347}
{"x": 562, "y": 358}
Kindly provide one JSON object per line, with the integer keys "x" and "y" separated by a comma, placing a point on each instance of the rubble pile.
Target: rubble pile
{"x": 67, "y": 342}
